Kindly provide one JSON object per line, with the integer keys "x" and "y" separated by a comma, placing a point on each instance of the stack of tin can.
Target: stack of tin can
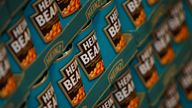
{"x": 128, "y": 53}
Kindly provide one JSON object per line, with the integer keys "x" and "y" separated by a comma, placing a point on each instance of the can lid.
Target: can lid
{"x": 87, "y": 25}
{"x": 66, "y": 53}
{"x": 106, "y": 4}
{"x": 40, "y": 80}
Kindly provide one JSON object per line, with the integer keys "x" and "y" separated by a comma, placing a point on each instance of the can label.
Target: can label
{"x": 71, "y": 84}
{"x": 20, "y": 44}
{"x": 7, "y": 82}
{"x": 46, "y": 19}
{"x": 162, "y": 44}
{"x": 47, "y": 98}
{"x": 67, "y": 7}
{"x": 177, "y": 23}
{"x": 152, "y": 2}
{"x": 113, "y": 30}
{"x": 90, "y": 56}
{"x": 106, "y": 103}
{"x": 135, "y": 10}
{"x": 185, "y": 79}
{"x": 124, "y": 93}
{"x": 146, "y": 67}
{"x": 171, "y": 98}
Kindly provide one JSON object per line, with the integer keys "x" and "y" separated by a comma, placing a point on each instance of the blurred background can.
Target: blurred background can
{"x": 170, "y": 98}
{"x": 7, "y": 80}
{"x": 177, "y": 22}
{"x": 124, "y": 92}
{"x": 132, "y": 13}
{"x": 162, "y": 43}
{"x": 20, "y": 48}
{"x": 185, "y": 79}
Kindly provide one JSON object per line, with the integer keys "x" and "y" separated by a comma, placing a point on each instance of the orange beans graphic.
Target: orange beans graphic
{"x": 152, "y": 81}
{"x": 55, "y": 31}
{"x": 9, "y": 87}
{"x": 72, "y": 7}
{"x": 121, "y": 43}
{"x": 79, "y": 97}
{"x": 134, "y": 103}
{"x": 99, "y": 68}
{"x": 31, "y": 56}
{"x": 140, "y": 20}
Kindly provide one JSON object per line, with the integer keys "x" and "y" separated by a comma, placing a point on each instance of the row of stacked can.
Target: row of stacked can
{"x": 168, "y": 43}
{"x": 29, "y": 27}
{"x": 145, "y": 72}
{"x": 94, "y": 48}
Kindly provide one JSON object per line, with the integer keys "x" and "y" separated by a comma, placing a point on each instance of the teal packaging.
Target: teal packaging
{"x": 89, "y": 55}
{"x": 170, "y": 98}
{"x": 108, "y": 31}
{"x": 66, "y": 80}
{"x": 6, "y": 17}
{"x": 44, "y": 23}
{"x": 106, "y": 101}
{"x": 42, "y": 94}
{"x": 132, "y": 14}
{"x": 7, "y": 80}
{"x": 185, "y": 84}
{"x": 20, "y": 48}
{"x": 124, "y": 92}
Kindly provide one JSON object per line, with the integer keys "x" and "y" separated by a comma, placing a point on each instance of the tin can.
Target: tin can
{"x": 124, "y": 92}
{"x": 132, "y": 14}
{"x": 170, "y": 98}
{"x": 106, "y": 101}
{"x": 42, "y": 94}
{"x": 109, "y": 32}
{"x": 144, "y": 69}
{"x": 177, "y": 22}
{"x": 162, "y": 43}
{"x": 44, "y": 23}
{"x": 185, "y": 79}
{"x": 66, "y": 80}
{"x": 67, "y": 7}
{"x": 21, "y": 51}
{"x": 7, "y": 80}
{"x": 89, "y": 55}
